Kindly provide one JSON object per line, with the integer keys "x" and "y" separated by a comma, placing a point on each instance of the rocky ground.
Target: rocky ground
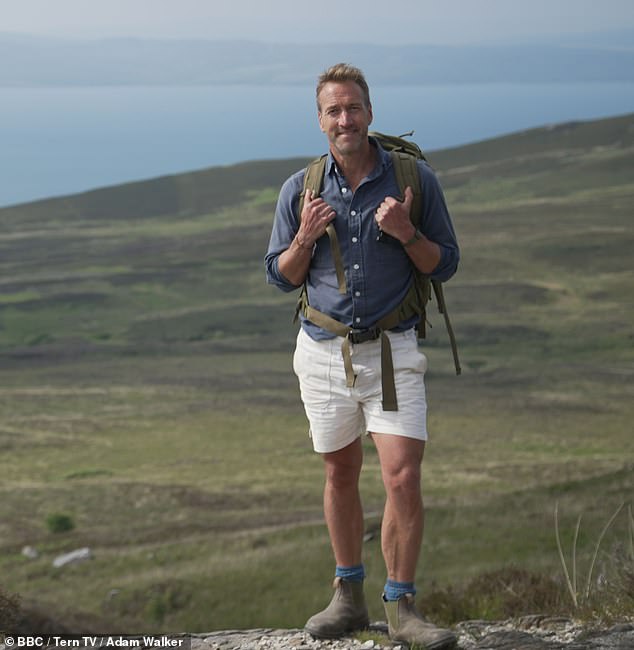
{"x": 528, "y": 633}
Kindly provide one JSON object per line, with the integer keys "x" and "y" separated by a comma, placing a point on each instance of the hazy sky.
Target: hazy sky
{"x": 419, "y": 21}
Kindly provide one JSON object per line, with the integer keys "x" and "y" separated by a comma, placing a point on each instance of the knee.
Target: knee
{"x": 403, "y": 481}
{"x": 343, "y": 467}
{"x": 341, "y": 476}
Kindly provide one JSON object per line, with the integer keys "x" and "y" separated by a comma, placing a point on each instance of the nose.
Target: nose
{"x": 345, "y": 118}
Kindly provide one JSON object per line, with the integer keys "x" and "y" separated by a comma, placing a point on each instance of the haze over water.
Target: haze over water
{"x": 64, "y": 140}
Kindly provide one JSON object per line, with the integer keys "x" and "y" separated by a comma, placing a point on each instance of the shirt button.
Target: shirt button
{"x": 353, "y": 213}
{"x": 356, "y": 267}
{"x": 344, "y": 190}
{"x": 357, "y": 293}
{"x": 354, "y": 240}
{"x": 357, "y": 320}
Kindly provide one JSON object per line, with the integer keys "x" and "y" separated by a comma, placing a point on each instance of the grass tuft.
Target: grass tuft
{"x": 59, "y": 523}
{"x": 507, "y": 592}
{"x": 578, "y": 598}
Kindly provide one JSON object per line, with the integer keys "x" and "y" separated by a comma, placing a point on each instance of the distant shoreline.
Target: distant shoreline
{"x": 46, "y": 62}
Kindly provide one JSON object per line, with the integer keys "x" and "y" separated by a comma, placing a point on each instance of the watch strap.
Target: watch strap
{"x": 417, "y": 235}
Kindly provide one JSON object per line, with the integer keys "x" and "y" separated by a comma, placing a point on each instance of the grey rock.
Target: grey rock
{"x": 30, "y": 552}
{"x": 80, "y": 555}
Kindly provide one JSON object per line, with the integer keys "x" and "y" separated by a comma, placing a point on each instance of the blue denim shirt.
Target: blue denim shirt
{"x": 378, "y": 272}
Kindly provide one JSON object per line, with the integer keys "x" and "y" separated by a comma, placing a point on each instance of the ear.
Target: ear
{"x": 321, "y": 124}
{"x": 370, "y": 116}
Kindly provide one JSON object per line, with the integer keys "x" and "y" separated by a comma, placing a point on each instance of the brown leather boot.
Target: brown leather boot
{"x": 346, "y": 612}
{"x": 406, "y": 624}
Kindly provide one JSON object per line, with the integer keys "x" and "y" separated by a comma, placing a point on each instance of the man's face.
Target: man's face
{"x": 344, "y": 116}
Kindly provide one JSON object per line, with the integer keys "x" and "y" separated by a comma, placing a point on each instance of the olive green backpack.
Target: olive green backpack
{"x": 404, "y": 154}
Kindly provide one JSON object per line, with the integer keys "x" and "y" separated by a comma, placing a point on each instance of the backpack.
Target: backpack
{"x": 404, "y": 154}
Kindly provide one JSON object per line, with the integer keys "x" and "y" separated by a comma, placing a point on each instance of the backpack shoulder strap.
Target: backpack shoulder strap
{"x": 314, "y": 181}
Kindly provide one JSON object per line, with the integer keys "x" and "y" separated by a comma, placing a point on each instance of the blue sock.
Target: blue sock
{"x": 351, "y": 573}
{"x": 394, "y": 590}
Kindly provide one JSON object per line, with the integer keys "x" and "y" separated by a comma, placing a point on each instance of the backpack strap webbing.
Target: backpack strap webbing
{"x": 442, "y": 308}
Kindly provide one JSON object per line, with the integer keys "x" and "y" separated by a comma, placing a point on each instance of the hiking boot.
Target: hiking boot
{"x": 347, "y": 612}
{"x": 406, "y": 624}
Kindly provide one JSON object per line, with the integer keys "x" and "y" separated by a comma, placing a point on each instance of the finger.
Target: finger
{"x": 329, "y": 214}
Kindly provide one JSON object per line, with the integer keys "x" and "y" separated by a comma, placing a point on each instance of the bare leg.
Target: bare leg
{"x": 403, "y": 518}
{"x": 342, "y": 503}
{"x": 347, "y": 610}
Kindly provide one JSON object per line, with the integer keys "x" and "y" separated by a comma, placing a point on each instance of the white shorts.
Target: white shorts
{"x": 338, "y": 414}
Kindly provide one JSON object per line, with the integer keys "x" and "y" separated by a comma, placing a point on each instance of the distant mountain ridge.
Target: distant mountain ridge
{"x": 45, "y": 61}
{"x": 212, "y": 188}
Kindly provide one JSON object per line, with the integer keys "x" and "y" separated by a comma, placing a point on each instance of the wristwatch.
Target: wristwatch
{"x": 417, "y": 235}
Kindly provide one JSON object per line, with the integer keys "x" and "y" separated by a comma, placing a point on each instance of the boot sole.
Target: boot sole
{"x": 447, "y": 644}
{"x": 349, "y": 630}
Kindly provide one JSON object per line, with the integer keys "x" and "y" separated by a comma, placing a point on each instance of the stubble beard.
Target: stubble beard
{"x": 347, "y": 146}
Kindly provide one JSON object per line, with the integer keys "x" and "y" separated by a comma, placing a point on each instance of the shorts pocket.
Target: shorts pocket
{"x": 312, "y": 366}
{"x": 407, "y": 355}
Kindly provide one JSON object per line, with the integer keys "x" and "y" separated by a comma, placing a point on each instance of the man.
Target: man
{"x": 341, "y": 376}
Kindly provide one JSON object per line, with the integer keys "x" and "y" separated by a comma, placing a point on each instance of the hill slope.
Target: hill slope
{"x": 146, "y": 388}
{"x": 167, "y": 256}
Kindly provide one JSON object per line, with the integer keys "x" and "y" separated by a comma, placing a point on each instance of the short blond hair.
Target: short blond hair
{"x": 340, "y": 73}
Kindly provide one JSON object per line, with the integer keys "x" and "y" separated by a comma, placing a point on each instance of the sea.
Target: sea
{"x": 62, "y": 140}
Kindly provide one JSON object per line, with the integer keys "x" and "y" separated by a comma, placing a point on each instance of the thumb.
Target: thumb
{"x": 408, "y": 197}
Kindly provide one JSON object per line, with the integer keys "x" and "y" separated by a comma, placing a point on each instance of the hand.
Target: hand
{"x": 315, "y": 217}
{"x": 393, "y": 216}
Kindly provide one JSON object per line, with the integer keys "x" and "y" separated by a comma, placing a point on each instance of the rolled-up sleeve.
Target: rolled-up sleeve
{"x": 285, "y": 227}
{"x": 436, "y": 225}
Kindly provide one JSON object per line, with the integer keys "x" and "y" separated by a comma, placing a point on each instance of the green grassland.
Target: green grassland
{"x": 146, "y": 390}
